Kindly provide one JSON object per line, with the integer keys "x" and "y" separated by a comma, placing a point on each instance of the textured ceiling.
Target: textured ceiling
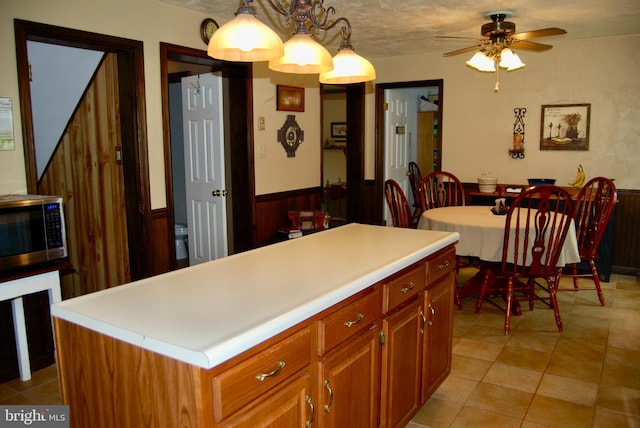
{"x": 384, "y": 28}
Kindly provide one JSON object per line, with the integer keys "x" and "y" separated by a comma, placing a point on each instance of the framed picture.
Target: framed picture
{"x": 338, "y": 130}
{"x": 290, "y": 98}
{"x": 565, "y": 127}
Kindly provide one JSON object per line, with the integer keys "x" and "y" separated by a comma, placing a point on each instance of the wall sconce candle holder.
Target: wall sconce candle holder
{"x": 517, "y": 152}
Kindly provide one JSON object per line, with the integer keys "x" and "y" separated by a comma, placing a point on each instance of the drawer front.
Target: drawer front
{"x": 404, "y": 287}
{"x": 243, "y": 383}
{"x": 440, "y": 266}
{"x": 344, "y": 323}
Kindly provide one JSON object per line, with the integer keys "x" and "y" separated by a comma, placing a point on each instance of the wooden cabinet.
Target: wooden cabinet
{"x": 290, "y": 406}
{"x": 348, "y": 383}
{"x": 438, "y": 333}
{"x": 426, "y": 141}
{"x": 401, "y": 365}
{"x": 370, "y": 360}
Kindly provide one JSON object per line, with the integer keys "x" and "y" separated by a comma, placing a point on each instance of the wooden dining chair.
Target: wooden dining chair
{"x": 536, "y": 226}
{"x": 415, "y": 177}
{"x": 401, "y": 215}
{"x": 594, "y": 207}
{"x": 440, "y": 189}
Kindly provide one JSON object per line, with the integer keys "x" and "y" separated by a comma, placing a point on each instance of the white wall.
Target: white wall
{"x": 477, "y": 128}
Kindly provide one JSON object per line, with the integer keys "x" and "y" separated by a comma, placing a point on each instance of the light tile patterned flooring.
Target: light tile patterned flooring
{"x": 586, "y": 376}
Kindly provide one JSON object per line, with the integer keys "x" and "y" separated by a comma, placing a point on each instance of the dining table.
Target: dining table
{"x": 482, "y": 236}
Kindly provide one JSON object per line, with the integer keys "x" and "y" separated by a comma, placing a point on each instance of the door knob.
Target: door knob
{"x": 216, "y": 192}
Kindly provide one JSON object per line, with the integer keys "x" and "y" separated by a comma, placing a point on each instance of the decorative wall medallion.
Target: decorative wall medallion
{"x": 290, "y": 135}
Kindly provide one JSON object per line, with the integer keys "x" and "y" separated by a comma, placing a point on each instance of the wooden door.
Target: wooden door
{"x": 401, "y": 357}
{"x": 438, "y": 311}
{"x": 204, "y": 167}
{"x": 86, "y": 170}
{"x": 341, "y": 401}
{"x": 425, "y": 141}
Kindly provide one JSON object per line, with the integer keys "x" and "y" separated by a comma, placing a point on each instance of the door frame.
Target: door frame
{"x": 380, "y": 134}
{"x": 238, "y": 131}
{"x": 133, "y": 124}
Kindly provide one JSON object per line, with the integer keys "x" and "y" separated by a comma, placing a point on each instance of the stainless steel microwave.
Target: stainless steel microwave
{"x": 32, "y": 230}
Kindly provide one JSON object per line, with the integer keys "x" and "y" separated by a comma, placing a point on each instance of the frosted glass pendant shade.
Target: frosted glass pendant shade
{"x": 302, "y": 55}
{"x": 245, "y": 39}
{"x": 510, "y": 60}
{"x": 348, "y": 67}
{"x": 482, "y": 62}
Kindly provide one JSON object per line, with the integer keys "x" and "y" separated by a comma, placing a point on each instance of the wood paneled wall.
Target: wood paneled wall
{"x": 271, "y": 210}
{"x": 85, "y": 172}
{"x": 626, "y": 233}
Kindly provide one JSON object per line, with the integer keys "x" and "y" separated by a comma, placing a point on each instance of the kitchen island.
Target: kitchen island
{"x": 178, "y": 349}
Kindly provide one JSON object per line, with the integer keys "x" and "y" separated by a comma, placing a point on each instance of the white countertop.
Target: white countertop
{"x": 208, "y": 313}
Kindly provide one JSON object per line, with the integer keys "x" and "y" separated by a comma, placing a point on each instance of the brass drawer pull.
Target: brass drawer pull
{"x": 327, "y": 407}
{"x": 261, "y": 376}
{"x": 409, "y": 288}
{"x": 352, "y": 323}
{"x": 444, "y": 265}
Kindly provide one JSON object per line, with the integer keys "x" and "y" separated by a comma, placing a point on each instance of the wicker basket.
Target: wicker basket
{"x": 487, "y": 184}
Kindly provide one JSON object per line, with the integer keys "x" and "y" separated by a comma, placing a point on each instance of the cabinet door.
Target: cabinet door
{"x": 438, "y": 313}
{"x": 289, "y": 407}
{"x": 401, "y": 357}
{"x": 349, "y": 382}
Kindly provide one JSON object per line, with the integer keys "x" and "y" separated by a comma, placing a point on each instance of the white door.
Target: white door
{"x": 204, "y": 167}
{"x": 396, "y": 142}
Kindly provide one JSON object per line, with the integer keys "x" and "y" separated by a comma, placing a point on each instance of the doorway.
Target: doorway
{"x": 128, "y": 58}
{"x": 179, "y": 61}
{"x": 422, "y": 96}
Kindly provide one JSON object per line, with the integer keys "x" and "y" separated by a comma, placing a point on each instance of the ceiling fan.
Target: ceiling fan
{"x": 499, "y": 34}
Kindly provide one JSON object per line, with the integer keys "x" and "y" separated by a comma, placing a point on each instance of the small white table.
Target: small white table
{"x": 482, "y": 232}
{"x": 14, "y": 290}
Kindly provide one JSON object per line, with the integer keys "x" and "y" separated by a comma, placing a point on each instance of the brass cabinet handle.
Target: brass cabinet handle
{"x": 433, "y": 315}
{"x": 424, "y": 321}
{"x": 444, "y": 265}
{"x": 262, "y": 376}
{"x": 356, "y": 321}
{"x": 313, "y": 411}
{"x": 409, "y": 288}
{"x": 327, "y": 407}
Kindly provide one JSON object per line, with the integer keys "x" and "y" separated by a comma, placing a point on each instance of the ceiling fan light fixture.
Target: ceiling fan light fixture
{"x": 510, "y": 60}
{"x": 481, "y": 62}
{"x": 245, "y": 39}
{"x": 348, "y": 67}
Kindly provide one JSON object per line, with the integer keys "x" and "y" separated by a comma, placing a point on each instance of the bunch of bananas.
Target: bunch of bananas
{"x": 580, "y": 178}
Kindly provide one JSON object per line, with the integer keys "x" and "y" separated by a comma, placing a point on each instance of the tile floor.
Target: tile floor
{"x": 586, "y": 376}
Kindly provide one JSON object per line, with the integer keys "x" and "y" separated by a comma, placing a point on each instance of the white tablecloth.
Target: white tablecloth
{"x": 482, "y": 232}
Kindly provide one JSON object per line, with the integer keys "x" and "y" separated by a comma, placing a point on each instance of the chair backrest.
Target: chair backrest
{"x": 594, "y": 207}
{"x": 440, "y": 189}
{"x": 398, "y": 205}
{"x": 536, "y": 226}
{"x": 414, "y": 179}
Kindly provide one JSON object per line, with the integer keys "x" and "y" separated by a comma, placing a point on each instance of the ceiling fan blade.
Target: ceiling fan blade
{"x": 459, "y": 38}
{"x": 545, "y": 32}
{"x": 530, "y": 46}
{"x": 463, "y": 50}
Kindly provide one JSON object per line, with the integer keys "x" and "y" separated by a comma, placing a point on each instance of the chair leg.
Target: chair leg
{"x": 552, "y": 283}
{"x": 507, "y": 315}
{"x": 596, "y": 280}
{"x": 456, "y": 292}
{"x": 574, "y": 272}
{"x": 483, "y": 289}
